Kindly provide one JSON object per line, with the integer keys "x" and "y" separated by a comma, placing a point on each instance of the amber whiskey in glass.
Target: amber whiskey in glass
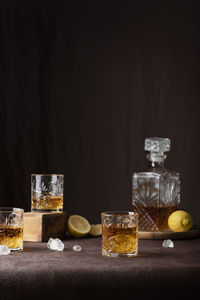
{"x": 119, "y": 234}
{"x": 47, "y": 192}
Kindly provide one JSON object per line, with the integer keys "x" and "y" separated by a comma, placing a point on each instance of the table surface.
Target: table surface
{"x": 38, "y": 272}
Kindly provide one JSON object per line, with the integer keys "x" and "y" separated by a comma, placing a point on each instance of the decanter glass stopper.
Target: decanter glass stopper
{"x": 156, "y": 144}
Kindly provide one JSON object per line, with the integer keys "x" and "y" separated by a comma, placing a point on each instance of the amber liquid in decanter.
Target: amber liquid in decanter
{"x": 158, "y": 217}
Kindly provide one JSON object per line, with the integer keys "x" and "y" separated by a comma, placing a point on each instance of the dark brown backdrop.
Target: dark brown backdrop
{"x": 83, "y": 83}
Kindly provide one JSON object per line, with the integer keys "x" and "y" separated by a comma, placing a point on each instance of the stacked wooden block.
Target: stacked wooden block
{"x": 39, "y": 226}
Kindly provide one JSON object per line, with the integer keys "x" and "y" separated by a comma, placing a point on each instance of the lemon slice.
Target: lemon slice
{"x": 180, "y": 221}
{"x": 95, "y": 230}
{"x": 78, "y": 226}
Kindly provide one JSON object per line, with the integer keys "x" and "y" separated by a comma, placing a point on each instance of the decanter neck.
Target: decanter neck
{"x": 156, "y": 160}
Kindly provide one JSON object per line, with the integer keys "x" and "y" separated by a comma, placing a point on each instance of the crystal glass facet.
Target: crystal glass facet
{"x": 47, "y": 192}
{"x": 156, "y": 193}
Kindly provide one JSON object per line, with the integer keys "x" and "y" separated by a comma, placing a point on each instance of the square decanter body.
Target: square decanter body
{"x": 155, "y": 196}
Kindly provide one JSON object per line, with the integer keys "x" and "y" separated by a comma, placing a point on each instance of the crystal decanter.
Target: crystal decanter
{"x": 156, "y": 192}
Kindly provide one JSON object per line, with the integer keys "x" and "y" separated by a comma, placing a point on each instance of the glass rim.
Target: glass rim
{"x": 119, "y": 213}
{"x": 47, "y": 174}
{"x": 11, "y": 209}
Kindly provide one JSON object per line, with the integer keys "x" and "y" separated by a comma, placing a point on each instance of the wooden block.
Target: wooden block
{"x": 39, "y": 226}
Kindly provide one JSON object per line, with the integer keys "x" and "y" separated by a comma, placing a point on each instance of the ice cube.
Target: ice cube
{"x": 4, "y": 250}
{"x": 55, "y": 244}
{"x": 168, "y": 244}
{"x": 77, "y": 248}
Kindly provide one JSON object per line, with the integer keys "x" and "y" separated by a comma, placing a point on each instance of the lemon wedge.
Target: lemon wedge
{"x": 96, "y": 230}
{"x": 180, "y": 221}
{"x": 78, "y": 226}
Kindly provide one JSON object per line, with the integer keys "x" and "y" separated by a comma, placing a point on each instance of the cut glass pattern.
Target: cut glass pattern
{"x": 156, "y": 144}
{"x": 155, "y": 197}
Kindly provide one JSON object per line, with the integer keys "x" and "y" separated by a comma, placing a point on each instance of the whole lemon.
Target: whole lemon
{"x": 180, "y": 221}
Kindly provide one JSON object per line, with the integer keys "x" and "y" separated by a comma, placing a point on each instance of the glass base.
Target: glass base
{"x": 114, "y": 254}
{"x": 16, "y": 249}
{"x": 46, "y": 210}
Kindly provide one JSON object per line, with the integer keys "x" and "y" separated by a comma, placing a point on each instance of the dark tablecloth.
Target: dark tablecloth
{"x": 157, "y": 273}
